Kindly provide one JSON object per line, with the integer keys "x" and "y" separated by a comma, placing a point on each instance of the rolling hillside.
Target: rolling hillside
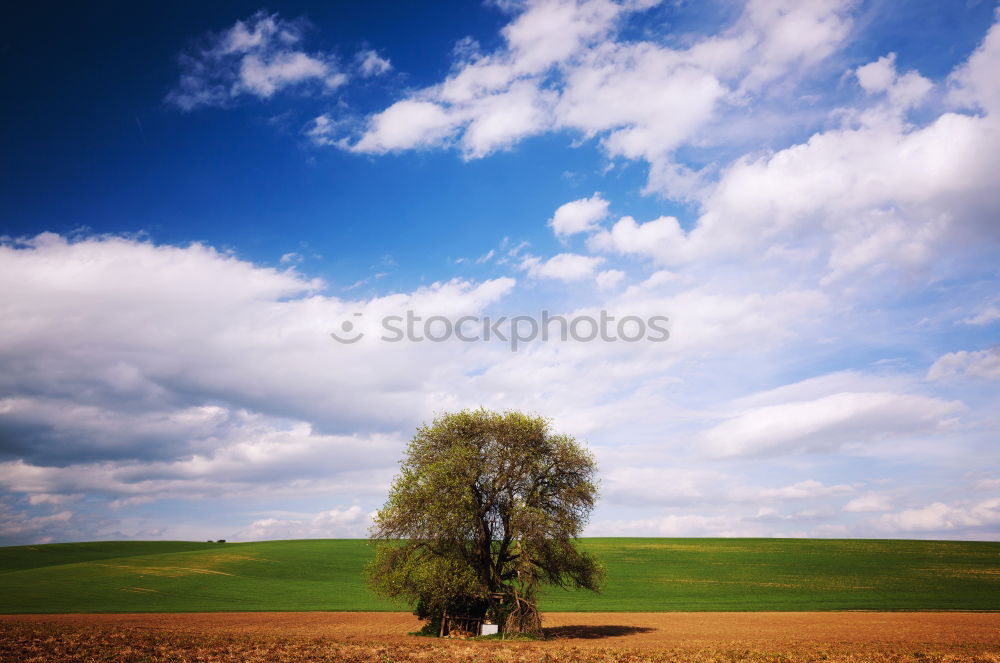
{"x": 643, "y": 575}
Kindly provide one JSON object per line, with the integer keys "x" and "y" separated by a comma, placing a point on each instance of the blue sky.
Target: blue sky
{"x": 194, "y": 197}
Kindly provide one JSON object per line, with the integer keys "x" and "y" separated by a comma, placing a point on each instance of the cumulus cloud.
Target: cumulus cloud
{"x": 836, "y": 421}
{"x": 132, "y": 372}
{"x": 903, "y": 91}
{"x": 406, "y": 124}
{"x": 562, "y": 65}
{"x": 21, "y": 526}
{"x": 250, "y": 460}
{"x": 258, "y": 57}
{"x": 114, "y": 348}
{"x": 563, "y": 267}
{"x": 609, "y": 279}
{"x": 138, "y": 371}
{"x": 868, "y": 503}
{"x": 660, "y": 238}
{"x": 877, "y": 76}
{"x": 872, "y": 193}
{"x": 579, "y": 216}
{"x": 983, "y": 364}
{"x": 18, "y": 524}
{"x": 974, "y": 84}
{"x": 349, "y": 523}
{"x": 869, "y": 197}
{"x": 940, "y": 517}
{"x": 789, "y": 35}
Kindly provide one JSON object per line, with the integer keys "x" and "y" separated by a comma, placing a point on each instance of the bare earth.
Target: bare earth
{"x": 659, "y": 630}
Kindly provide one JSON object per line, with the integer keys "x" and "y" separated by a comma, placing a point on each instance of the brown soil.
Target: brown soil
{"x": 773, "y": 630}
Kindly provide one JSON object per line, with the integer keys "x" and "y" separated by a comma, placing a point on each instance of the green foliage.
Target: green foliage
{"x": 486, "y": 503}
{"x": 643, "y": 575}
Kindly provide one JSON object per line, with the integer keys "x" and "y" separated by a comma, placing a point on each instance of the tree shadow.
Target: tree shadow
{"x": 592, "y": 632}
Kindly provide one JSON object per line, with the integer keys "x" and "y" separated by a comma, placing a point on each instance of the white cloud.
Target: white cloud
{"x": 903, "y": 91}
{"x": 661, "y": 238}
{"x": 679, "y": 525}
{"x": 808, "y": 489}
{"x": 562, "y": 65}
{"x": 253, "y": 459}
{"x": 822, "y": 185}
{"x": 264, "y": 78}
{"x": 162, "y": 336}
{"x": 940, "y": 517}
{"x": 870, "y": 197}
{"x": 653, "y": 283}
{"x": 838, "y": 421}
{"x": 551, "y": 32}
{"x": 23, "y": 527}
{"x": 609, "y": 279}
{"x": 879, "y": 75}
{"x": 664, "y": 486}
{"x": 658, "y": 84}
{"x": 404, "y": 125}
{"x": 988, "y": 484}
{"x": 497, "y": 99}
{"x": 711, "y": 321}
{"x": 156, "y": 399}
{"x": 372, "y": 64}
{"x": 564, "y": 267}
{"x": 696, "y": 486}
{"x": 759, "y": 522}
{"x": 351, "y": 522}
{"x": 868, "y": 503}
{"x": 975, "y": 84}
{"x": 579, "y": 216}
{"x": 256, "y": 57}
{"x": 321, "y": 129}
{"x": 871, "y": 194}
{"x": 498, "y": 120}
{"x": 984, "y": 317}
{"x": 982, "y": 364}
{"x": 790, "y": 35}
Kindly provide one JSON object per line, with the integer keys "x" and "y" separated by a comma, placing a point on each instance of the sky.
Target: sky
{"x": 245, "y": 251}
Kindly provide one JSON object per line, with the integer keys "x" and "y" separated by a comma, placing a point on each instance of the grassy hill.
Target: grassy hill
{"x": 643, "y": 575}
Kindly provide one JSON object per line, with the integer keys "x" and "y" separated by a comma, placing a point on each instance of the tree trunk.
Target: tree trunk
{"x": 524, "y": 618}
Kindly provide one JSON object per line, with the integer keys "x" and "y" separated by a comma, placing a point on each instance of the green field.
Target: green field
{"x": 643, "y": 575}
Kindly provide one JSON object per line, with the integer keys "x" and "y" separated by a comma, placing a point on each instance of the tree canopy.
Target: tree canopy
{"x": 485, "y": 509}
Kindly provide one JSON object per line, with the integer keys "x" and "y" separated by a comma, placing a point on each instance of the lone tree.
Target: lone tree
{"x": 486, "y": 508}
